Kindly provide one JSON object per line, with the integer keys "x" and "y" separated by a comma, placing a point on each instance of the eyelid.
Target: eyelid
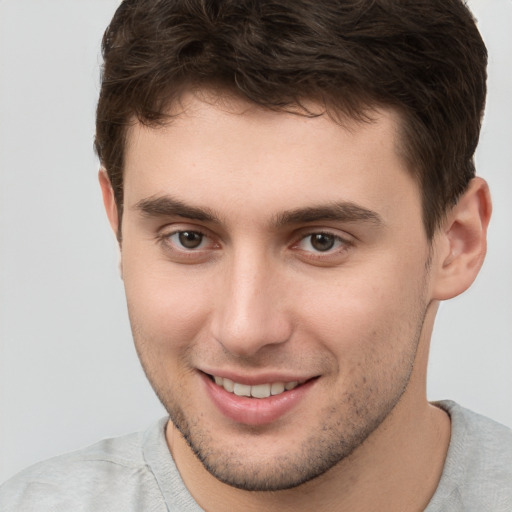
{"x": 165, "y": 233}
{"x": 182, "y": 254}
{"x": 328, "y": 257}
{"x": 175, "y": 238}
{"x": 339, "y": 235}
{"x": 178, "y": 227}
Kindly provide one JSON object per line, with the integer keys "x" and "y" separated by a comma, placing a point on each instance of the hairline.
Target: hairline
{"x": 221, "y": 94}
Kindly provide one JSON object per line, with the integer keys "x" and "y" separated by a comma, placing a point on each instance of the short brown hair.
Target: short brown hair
{"x": 424, "y": 58}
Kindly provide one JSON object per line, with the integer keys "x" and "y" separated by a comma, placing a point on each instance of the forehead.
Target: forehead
{"x": 227, "y": 154}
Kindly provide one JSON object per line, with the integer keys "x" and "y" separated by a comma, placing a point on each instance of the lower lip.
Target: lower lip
{"x": 255, "y": 411}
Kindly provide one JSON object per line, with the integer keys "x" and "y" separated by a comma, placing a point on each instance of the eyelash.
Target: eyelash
{"x": 341, "y": 244}
{"x": 164, "y": 239}
{"x": 335, "y": 239}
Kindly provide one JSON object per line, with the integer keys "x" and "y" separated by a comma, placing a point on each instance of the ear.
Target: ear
{"x": 109, "y": 201}
{"x": 461, "y": 243}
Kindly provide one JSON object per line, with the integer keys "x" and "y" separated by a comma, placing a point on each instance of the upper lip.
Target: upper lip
{"x": 262, "y": 378}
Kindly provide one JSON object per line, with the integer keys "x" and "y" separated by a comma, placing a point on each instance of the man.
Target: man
{"x": 293, "y": 191}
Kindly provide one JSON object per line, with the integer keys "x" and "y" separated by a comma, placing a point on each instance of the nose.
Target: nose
{"x": 251, "y": 307}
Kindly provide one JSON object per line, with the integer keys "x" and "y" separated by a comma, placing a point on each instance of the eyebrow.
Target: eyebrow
{"x": 340, "y": 212}
{"x": 166, "y": 206}
{"x": 344, "y": 211}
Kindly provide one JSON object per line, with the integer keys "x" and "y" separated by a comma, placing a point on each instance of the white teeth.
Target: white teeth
{"x": 228, "y": 385}
{"x": 260, "y": 391}
{"x": 242, "y": 389}
{"x": 257, "y": 391}
{"x": 277, "y": 388}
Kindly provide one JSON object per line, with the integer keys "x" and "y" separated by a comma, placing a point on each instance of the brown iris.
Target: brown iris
{"x": 190, "y": 239}
{"x": 322, "y": 241}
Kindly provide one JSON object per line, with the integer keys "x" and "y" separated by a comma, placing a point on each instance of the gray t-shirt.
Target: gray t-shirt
{"x": 136, "y": 473}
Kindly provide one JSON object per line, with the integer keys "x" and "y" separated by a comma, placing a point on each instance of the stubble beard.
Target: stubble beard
{"x": 334, "y": 439}
{"x": 331, "y": 444}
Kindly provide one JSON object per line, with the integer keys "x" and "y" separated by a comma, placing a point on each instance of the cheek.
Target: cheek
{"x": 378, "y": 313}
{"x": 166, "y": 325}
{"x": 167, "y": 308}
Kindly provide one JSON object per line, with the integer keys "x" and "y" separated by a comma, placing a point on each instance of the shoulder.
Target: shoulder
{"x": 110, "y": 472}
{"x": 486, "y": 443}
{"x": 478, "y": 469}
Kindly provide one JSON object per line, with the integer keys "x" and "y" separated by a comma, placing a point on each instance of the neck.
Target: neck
{"x": 388, "y": 472}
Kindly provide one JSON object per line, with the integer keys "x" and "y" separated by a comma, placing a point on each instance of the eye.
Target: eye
{"x": 189, "y": 240}
{"x": 187, "y": 246}
{"x": 322, "y": 242}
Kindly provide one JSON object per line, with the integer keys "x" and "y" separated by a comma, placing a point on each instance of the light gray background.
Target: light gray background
{"x": 68, "y": 372}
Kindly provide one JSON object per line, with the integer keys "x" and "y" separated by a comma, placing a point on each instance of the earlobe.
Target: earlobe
{"x": 462, "y": 242}
{"x": 109, "y": 201}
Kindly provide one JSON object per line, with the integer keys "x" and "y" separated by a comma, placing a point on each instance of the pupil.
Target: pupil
{"x": 322, "y": 242}
{"x": 190, "y": 239}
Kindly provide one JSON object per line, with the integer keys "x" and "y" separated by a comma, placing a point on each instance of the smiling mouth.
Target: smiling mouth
{"x": 257, "y": 391}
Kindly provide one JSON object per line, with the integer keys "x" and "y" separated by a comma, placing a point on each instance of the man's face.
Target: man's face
{"x": 276, "y": 255}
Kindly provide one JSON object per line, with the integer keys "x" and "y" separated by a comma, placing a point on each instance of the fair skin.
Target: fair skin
{"x": 267, "y": 249}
